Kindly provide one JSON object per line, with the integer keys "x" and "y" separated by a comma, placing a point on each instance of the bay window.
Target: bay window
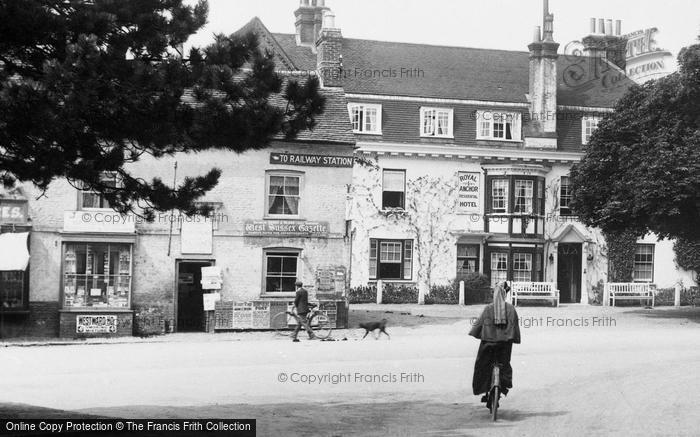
{"x": 499, "y": 268}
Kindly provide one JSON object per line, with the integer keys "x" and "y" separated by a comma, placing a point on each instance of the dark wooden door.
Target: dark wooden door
{"x": 190, "y": 307}
{"x": 569, "y": 272}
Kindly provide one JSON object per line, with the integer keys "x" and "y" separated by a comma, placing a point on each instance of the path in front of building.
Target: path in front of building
{"x": 580, "y": 370}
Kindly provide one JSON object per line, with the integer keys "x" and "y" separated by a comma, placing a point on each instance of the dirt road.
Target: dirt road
{"x": 580, "y": 370}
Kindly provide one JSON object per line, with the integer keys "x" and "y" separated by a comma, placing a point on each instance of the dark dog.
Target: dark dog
{"x": 373, "y": 326}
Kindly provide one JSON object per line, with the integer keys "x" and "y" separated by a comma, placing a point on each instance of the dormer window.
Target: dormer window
{"x": 500, "y": 126}
{"x": 366, "y": 118}
{"x": 588, "y": 125}
{"x": 436, "y": 122}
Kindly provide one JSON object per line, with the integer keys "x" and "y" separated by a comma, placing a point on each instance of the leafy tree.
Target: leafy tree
{"x": 88, "y": 87}
{"x": 688, "y": 255}
{"x": 641, "y": 169}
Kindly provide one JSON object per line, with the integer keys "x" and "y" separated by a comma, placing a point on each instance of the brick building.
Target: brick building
{"x": 461, "y": 161}
{"x": 463, "y": 154}
{"x": 279, "y": 216}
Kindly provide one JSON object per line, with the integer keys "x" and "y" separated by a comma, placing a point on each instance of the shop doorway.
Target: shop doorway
{"x": 569, "y": 272}
{"x": 190, "y": 308}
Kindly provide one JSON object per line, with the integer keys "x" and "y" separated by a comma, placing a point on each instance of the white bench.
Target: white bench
{"x": 627, "y": 291}
{"x": 534, "y": 291}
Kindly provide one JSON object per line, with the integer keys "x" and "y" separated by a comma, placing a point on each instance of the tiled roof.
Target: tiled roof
{"x": 375, "y": 67}
{"x": 332, "y": 126}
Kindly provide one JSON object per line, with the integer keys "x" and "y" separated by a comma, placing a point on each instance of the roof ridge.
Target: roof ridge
{"x": 441, "y": 46}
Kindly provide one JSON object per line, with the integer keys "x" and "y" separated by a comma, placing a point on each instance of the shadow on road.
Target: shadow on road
{"x": 396, "y": 318}
{"x": 689, "y": 314}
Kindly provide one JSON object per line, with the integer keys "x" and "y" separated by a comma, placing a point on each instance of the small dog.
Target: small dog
{"x": 373, "y": 326}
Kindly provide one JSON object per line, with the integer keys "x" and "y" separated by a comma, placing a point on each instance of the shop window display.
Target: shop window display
{"x": 97, "y": 275}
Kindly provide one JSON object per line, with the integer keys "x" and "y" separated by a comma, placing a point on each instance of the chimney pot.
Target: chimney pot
{"x": 609, "y": 27}
{"x": 537, "y": 34}
{"x": 618, "y": 27}
{"x": 592, "y": 26}
{"x": 601, "y": 25}
{"x": 328, "y": 20}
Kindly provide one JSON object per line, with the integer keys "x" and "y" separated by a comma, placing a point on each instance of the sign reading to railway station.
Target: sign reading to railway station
{"x": 310, "y": 160}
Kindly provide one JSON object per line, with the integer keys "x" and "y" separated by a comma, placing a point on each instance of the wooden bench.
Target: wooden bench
{"x": 534, "y": 291}
{"x": 628, "y": 291}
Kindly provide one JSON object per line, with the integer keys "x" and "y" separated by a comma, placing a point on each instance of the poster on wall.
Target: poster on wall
{"x": 196, "y": 236}
{"x": 468, "y": 192}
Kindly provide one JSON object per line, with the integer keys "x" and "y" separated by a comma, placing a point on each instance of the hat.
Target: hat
{"x": 298, "y": 283}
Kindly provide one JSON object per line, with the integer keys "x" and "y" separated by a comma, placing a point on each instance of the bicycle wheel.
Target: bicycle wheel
{"x": 495, "y": 396}
{"x": 321, "y": 326}
{"x": 279, "y": 324}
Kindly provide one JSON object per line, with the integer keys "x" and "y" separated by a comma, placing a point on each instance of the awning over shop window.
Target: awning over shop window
{"x": 13, "y": 251}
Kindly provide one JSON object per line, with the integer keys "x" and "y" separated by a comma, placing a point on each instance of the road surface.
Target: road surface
{"x": 580, "y": 370}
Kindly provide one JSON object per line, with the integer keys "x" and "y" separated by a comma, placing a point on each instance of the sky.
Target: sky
{"x": 493, "y": 24}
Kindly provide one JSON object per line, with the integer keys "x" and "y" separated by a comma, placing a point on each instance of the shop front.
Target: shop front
{"x": 96, "y": 277}
{"x": 14, "y": 266}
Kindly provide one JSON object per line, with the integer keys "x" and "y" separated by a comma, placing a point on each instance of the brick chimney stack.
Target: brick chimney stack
{"x": 329, "y": 58}
{"x": 602, "y": 43}
{"x": 541, "y": 131}
{"x": 308, "y": 21}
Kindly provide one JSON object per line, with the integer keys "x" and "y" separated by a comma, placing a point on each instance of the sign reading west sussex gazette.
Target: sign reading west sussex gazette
{"x": 310, "y": 160}
{"x": 468, "y": 193}
{"x": 281, "y": 228}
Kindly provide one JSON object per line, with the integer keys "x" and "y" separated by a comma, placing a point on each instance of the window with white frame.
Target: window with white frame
{"x": 281, "y": 269}
{"x": 283, "y": 193}
{"x": 565, "y": 196}
{"x": 643, "y": 263}
{"x": 390, "y": 259}
{"x": 499, "y": 268}
{"x": 501, "y": 126}
{"x": 588, "y": 125}
{"x": 522, "y": 267}
{"x": 436, "y": 122}
{"x": 90, "y": 199}
{"x": 499, "y": 195}
{"x": 523, "y": 196}
{"x": 393, "y": 189}
{"x": 365, "y": 118}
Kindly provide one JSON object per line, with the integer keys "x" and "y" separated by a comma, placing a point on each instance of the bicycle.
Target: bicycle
{"x": 495, "y": 391}
{"x": 319, "y": 323}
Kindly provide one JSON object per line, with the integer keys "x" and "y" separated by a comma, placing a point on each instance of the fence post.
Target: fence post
{"x": 677, "y": 295}
{"x": 606, "y": 295}
{"x": 461, "y": 292}
{"x": 380, "y": 289}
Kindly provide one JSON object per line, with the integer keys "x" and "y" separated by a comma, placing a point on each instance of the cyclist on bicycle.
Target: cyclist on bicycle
{"x": 498, "y": 329}
{"x": 302, "y": 307}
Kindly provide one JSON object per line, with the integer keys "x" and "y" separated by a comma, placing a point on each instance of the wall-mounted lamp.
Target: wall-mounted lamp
{"x": 551, "y": 258}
